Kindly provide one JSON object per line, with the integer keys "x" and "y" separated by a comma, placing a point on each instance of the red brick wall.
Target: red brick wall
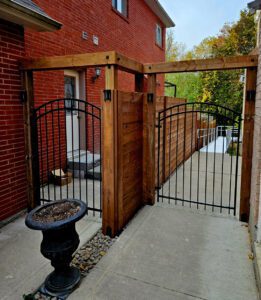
{"x": 134, "y": 37}
{"x": 12, "y": 165}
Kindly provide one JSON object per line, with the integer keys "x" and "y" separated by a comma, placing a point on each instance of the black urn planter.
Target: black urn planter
{"x": 60, "y": 240}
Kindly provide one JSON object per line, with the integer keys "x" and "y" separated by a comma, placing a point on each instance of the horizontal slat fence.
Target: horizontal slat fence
{"x": 178, "y": 136}
{"x": 130, "y": 142}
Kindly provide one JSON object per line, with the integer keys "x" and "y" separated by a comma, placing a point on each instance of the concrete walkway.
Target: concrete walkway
{"x": 23, "y": 268}
{"x": 175, "y": 253}
{"x": 219, "y": 145}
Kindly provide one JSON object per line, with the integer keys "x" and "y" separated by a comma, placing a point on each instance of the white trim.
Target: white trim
{"x": 18, "y": 14}
{"x": 160, "y": 12}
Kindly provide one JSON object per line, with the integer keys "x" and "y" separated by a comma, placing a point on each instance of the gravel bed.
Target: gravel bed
{"x": 84, "y": 259}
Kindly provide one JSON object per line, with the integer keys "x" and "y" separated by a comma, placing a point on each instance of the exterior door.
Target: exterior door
{"x": 71, "y": 91}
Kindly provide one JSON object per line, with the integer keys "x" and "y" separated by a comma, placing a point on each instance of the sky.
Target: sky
{"x": 198, "y": 19}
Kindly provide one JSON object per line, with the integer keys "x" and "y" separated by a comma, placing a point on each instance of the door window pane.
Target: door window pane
{"x": 69, "y": 92}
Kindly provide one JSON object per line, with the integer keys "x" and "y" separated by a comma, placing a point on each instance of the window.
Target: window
{"x": 69, "y": 91}
{"x": 120, "y": 6}
{"x": 158, "y": 35}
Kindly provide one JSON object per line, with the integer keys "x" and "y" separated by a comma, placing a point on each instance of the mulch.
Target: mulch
{"x": 57, "y": 212}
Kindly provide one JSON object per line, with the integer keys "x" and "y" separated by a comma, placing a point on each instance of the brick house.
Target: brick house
{"x": 14, "y": 17}
{"x": 135, "y": 28}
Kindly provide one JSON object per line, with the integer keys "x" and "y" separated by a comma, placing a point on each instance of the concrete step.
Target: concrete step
{"x": 94, "y": 173}
{"x": 84, "y": 162}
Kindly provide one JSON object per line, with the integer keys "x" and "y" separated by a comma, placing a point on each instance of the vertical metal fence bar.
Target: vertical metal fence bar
{"x": 236, "y": 173}
{"x": 60, "y": 152}
{"x": 79, "y": 151}
{"x": 199, "y": 148}
{"x": 93, "y": 164}
{"x": 170, "y": 129}
{"x": 72, "y": 147}
{"x": 191, "y": 154}
{"x": 47, "y": 152}
{"x": 159, "y": 184}
{"x": 53, "y": 150}
{"x": 42, "y": 161}
{"x": 66, "y": 149}
{"x": 86, "y": 153}
{"x": 100, "y": 141}
{"x": 222, "y": 171}
{"x": 214, "y": 167}
{"x": 231, "y": 165}
{"x": 184, "y": 152}
{"x": 163, "y": 177}
{"x": 206, "y": 174}
{"x": 177, "y": 152}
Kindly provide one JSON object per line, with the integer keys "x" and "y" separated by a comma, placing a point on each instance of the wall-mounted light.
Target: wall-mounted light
{"x": 97, "y": 74}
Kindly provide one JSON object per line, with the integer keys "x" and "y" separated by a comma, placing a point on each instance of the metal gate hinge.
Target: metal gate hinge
{"x": 158, "y": 126}
{"x": 23, "y": 96}
{"x": 251, "y": 95}
{"x": 107, "y": 95}
{"x": 150, "y": 98}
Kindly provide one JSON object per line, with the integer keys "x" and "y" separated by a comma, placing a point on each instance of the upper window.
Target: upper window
{"x": 120, "y": 6}
{"x": 158, "y": 35}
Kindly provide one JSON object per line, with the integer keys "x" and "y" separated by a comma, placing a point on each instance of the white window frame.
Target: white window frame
{"x": 159, "y": 35}
{"x": 121, "y": 6}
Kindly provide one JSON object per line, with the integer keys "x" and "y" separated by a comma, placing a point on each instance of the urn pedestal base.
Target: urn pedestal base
{"x": 60, "y": 241}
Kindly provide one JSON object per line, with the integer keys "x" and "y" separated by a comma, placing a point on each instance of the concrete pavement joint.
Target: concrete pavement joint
{"x": 158, "y": 286}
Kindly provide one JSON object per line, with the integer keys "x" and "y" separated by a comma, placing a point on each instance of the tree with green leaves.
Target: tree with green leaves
{"x": 220, "y": 87}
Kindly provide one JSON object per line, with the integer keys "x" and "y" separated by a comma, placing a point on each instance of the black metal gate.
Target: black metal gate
{"x": 67, "y": 152}
{"x": 198, "y": 156}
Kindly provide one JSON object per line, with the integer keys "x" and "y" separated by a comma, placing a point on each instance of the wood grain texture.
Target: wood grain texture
{"x": 130, "y": 145}
{"x": 32, "y": 180}
{"x": 110, "y": 155}
{"x": 247, "y": 147}
{"x": 222, "y": 63}
{"x": 82, "y": 60}
{"x": 149, "y": 122}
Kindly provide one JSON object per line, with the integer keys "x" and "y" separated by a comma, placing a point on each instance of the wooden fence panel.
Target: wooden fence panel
{"x": 130, "y": 155}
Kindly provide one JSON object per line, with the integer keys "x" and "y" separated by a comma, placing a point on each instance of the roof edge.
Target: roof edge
{"x": 14, "y": 12}
{"x": 158, "y": 9}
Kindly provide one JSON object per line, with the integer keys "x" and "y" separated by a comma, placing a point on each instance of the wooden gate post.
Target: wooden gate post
{"x": 247, "y": 148}
{"x": 110, "y": 153}
{"x": 32, "y": 188}
{"x": 149, "y": 115}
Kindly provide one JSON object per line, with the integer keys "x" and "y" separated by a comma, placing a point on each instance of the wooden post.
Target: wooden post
{"x": 247, "y": 147}
{"x": 32, "y": 179}
{"x": 149, "y": 110}
{"x": 110, "y": 153}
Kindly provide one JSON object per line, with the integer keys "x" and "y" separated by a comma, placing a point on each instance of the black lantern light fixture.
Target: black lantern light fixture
{"x": 97, "y": 74}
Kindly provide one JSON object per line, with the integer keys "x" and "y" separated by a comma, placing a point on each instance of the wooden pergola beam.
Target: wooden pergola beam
{"x": 68, "y": 61}
{"x": 127, "y": 64}
{"x": 82, "y": 60}
{"x": 132, "y": 66}
{"x": 222, "y": 63}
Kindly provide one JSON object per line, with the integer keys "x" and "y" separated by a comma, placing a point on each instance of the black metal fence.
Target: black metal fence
{"x": 198, "y": 162}
{"x": 67, "y": 152}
